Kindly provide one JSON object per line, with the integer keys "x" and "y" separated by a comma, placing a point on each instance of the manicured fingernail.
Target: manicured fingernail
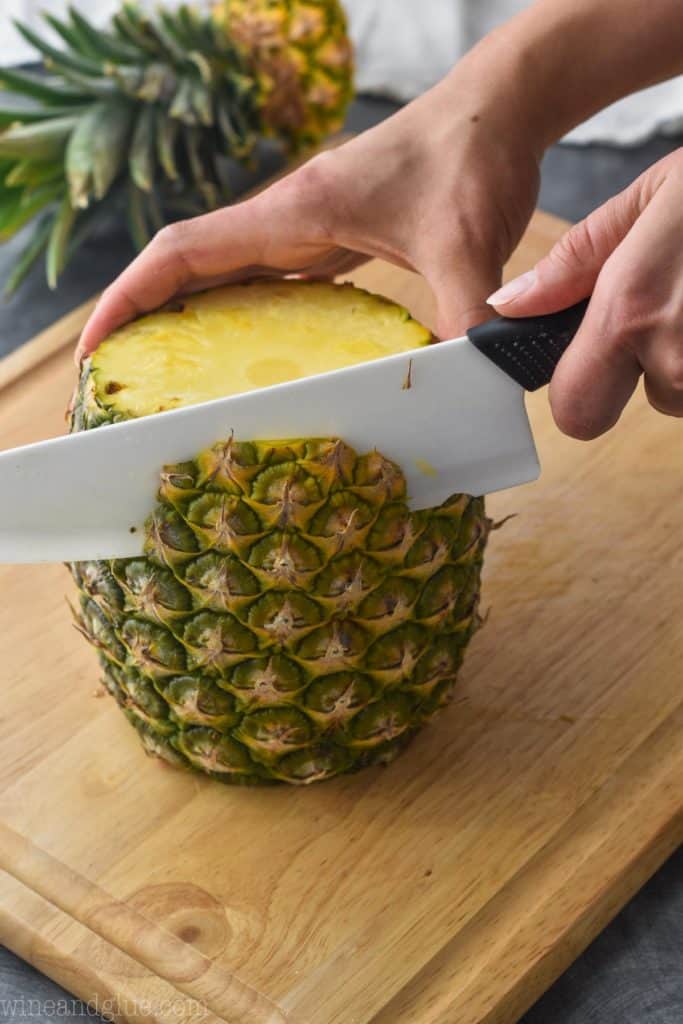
{"x": 513, "y": 289}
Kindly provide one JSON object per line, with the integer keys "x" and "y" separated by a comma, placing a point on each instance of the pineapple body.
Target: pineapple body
{"x": 291, "y": 618}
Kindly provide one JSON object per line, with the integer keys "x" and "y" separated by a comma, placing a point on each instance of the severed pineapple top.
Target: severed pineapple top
{"x": 245, "y": 336}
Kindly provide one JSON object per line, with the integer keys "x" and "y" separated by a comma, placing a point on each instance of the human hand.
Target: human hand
{"x": 445, "y": 188}
{"x": 628, "y": 253}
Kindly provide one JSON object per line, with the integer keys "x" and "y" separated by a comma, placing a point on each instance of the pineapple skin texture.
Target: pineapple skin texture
{"x": 291, "y": 619}
{"x": 301, "y": 55}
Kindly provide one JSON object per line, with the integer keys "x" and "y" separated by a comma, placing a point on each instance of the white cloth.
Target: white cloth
{"x": 403, "y": 47}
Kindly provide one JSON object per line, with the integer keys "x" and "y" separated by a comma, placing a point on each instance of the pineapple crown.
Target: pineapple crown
{"x": 148, "y": 110}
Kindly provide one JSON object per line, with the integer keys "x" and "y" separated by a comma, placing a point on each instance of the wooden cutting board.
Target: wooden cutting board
{"x": 449, "y": 888}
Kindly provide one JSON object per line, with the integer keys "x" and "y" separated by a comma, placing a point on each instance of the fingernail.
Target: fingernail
{"x": 513, "y": 289}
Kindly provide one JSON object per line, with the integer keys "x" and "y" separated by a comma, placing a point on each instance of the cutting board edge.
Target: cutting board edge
{"x": 30, "y": 944}
{"x": 531, "y": 985}
{"x": 616, "y": 870}
{"x": 66, "y": 970}
{"x": 512, "y": 1001}
{"x": 80, "y": 903}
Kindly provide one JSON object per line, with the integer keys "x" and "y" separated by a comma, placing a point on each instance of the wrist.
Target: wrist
{"x": 491, "y": 89}
{"x": 560, "y": 61}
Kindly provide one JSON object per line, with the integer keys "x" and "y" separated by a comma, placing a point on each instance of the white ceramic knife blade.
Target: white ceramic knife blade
{"x": 450, "y": 418}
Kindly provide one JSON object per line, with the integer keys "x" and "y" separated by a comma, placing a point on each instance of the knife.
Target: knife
{"x": 451, "y": 415}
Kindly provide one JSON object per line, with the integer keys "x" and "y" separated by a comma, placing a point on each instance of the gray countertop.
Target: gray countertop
{"x": 631, "y": 974}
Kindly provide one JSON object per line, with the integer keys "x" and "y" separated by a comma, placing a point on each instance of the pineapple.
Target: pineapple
{"x": 290, "y": 619}
{"x": 148, "y": 110}
{"x": 300, "y": 52}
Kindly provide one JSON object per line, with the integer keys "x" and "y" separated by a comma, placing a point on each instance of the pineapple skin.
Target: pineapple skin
{"x": 291, "y": 619}
{"x": 301, "y": 56}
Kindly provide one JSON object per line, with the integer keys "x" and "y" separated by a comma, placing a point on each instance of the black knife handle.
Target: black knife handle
{"x": 528, "y": 348}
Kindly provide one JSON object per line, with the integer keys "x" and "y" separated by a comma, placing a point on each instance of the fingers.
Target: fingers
{"x": 596, "y": 376}
{"x": 628, "y": 255}
{"x": 460, "y": 286}
{"x": 280, "y": 230}
{"x": 663, "y": 366}
{"x": 182, "y": 254}
{"x": 634, "y": 325}
{"x": 569, "y": 272}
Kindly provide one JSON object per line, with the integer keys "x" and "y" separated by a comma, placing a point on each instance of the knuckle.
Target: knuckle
{"x": 576, "y": 247}
{"x": 315, "y": 189}
{"x": 633, "y": 308}
{"x": 628, "y": 317}
{"x": 172, "y": 236}
{"x": 671, "y": 163}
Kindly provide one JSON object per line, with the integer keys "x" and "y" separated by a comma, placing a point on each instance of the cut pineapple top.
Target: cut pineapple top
{"x": 242, "y": 337}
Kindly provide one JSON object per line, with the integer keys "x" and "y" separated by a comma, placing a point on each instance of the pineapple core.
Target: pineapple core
{"x": 246, "y": 336}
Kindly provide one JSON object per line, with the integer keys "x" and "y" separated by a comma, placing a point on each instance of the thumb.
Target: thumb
{"x": 569, "y": 272}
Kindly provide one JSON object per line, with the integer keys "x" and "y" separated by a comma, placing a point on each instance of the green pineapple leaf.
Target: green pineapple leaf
{"x": 57, "y": 58}
{"x": 57, "y": 241}
{"x": 39, "y": 87}
{"x": 46, "y": 140}
{"x": 103, "y": 46}
{"x": 142, "y": 159}
{"x": 28, "y": 257}
{"x": 158, "y": 105}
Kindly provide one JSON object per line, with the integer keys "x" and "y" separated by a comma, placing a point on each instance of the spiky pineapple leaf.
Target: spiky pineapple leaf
{"x": 110, "y": 144}
{"x": 156, "y": 214}
{"x": 70, "y": 36}
{"x": 142, "y": 157}
{"x": 58, "y": 239}
{"x": 28, "y": 172}
{"x": 166, "y": 137}
{"x": 33, "y": 115}
{"x": 104, "y": 44}
{"x": 57, "y": 58}
{"x": 42, "y": 141}
{"x": 167, "y": 42}
{"x": 207, "y": 188}
{"x": 39, "y": 88}
{"x": 97, "y": 150}
{"x": 19, "y": 206}
{"x": 199, "y": 32}
{"x": 174, "y": 91}
{"x": 182, "y": 107}
{"x": 157, "y": 81}
{"x": 28, "y": 257}
{"x": 137, "y": 219}
{"x": 172, "y": 28}
{"x": 131, "y": 27}
{"x": 201, "y": 102}
{"x": 90, "y": 85}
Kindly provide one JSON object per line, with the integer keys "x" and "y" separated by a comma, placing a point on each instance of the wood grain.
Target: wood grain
{"x": 449, "y": 888}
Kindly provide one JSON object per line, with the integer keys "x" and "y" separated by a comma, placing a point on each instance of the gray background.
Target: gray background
{"x": 633, "y": 973}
